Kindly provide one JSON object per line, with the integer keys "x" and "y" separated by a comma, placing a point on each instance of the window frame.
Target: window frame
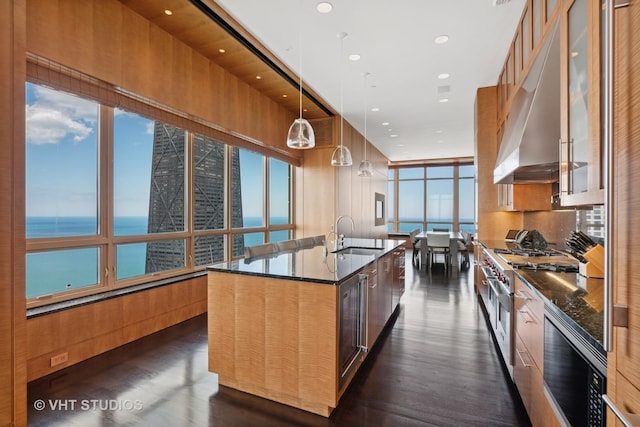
{"x": 394, "y": 225}
{"x": 106, "y": 241}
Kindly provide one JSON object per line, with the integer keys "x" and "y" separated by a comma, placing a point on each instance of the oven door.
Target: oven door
{"x": 502, "y": 324}
{"x": 491, "y": 300}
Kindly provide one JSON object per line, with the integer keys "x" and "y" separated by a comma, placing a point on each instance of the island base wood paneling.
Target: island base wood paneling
{"x": 275, "y": 338}
{"x": 88, "y": 330}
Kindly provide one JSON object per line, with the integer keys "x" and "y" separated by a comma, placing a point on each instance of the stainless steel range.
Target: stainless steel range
{"x": 498, "y": 300}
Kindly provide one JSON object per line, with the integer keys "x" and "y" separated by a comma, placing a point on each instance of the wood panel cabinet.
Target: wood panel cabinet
{"x": 524, "y": 197}
{"x": 384, "y": 295}
{"x": 624, "y": 357}
{"x": 529, "y": 354}
{"x": 581, "y": 147}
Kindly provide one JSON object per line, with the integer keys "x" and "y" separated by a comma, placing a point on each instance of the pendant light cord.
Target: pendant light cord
{"x": 342, "y": 36}
{"x": 365, "y": 114}
{"x": 300, "y": 60}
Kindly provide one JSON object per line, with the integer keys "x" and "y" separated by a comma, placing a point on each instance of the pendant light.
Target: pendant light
{"x": 365, "y": 170}
{"x": 341, "y": 155}
{"x": 301, "y": 135}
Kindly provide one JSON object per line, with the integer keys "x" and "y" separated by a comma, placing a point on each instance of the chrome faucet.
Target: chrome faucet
{"x": 340, "y": 237}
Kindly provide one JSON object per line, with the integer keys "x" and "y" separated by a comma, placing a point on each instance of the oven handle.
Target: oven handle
{"x": 627, "y": 419}
{"x": 503, "y": 296}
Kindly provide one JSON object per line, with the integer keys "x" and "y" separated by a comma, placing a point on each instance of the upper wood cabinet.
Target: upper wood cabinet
{"x": 537, "y": 19}
{"x": 581, "y": 149}
{"x": 524, "y": 197}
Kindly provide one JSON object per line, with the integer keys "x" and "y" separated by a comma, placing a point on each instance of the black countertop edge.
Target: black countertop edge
{"x": 275, "y": 276}
{"x": 103, "y": 296}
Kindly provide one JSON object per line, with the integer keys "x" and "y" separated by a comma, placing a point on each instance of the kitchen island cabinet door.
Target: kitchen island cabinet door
{"x": 624, "y": 359}
{"x": 375, "y": 304}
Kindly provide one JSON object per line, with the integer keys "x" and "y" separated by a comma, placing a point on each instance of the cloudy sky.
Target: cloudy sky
{"x": 62, "y": 158}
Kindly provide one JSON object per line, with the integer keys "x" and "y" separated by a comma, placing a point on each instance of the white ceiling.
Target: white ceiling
{"x": 396, "y": 44}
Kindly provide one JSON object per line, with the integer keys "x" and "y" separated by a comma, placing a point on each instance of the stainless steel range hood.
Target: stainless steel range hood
{"x": 529, "y": 149}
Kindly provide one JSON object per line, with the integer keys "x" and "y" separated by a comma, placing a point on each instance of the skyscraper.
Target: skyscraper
{"x": 167, "y": 198}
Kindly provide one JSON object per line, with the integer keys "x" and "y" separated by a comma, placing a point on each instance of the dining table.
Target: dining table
{"x": 454, "y": 238}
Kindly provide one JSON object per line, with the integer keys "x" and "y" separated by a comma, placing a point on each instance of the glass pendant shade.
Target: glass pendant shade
{"x": 341, "y": 156}
{"x": 301, "y": 135}
{"x": 365, "y": 169}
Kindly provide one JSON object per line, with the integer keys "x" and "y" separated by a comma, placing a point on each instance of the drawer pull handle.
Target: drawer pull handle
{"x": 520, "y": 353}
{"x": 627, "y": 419}
{"x": 527, "y": 316}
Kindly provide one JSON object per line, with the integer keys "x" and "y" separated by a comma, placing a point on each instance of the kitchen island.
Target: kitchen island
{"x": 279, "y": 325}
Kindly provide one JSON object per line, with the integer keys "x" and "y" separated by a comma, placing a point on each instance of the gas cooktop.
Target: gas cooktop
{"x": 528, "y": 252}
{"x": 537, "y": 259}
{"x": 545, "y": 266}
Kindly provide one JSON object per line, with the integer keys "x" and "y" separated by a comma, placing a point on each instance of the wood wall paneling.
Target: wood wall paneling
{"x": 156, "y": 65}
{"x": 13, "y": 393}
{"x": 91, "y": 329}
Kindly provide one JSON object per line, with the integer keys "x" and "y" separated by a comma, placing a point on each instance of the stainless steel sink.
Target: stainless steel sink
{"x": 358, "y": 251}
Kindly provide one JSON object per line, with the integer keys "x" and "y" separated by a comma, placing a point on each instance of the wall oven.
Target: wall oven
{"x": 574, "y": 373}
{"x": 351, "y": 328}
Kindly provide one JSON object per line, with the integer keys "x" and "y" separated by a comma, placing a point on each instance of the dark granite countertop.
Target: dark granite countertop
{"x": 577, "y": 299}
{"x": 310, "y": 264}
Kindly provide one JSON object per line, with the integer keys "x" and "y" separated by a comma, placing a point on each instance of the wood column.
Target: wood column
{"x": 13, "y": 394}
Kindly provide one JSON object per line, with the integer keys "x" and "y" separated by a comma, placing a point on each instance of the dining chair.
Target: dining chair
{"x": 417, "y": 246}
{"x": 463, "y": 249}
{"x": 438, "y": 244}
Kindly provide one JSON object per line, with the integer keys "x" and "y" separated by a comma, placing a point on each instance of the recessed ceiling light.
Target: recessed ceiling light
{"x": 168, "y": 12}
{"x": 375, "y": 109}
{"x": 441, "y": 39}
{"x": 443, "y": 76}
{"x": 285, "y": 96}
{"x": 443, "y": 100}
{"x": 574, "y": 54}
{"x": 324, "y": 7}
{"x": 258, "y": 77}
{"x": 393, "y": 135}
{"x": 221, "y": 50}
{"x": 354, "y": 57}
{"x": 438, "y": 131}
{"x": 399, "y": 145}
{"x": 385, "y": 123}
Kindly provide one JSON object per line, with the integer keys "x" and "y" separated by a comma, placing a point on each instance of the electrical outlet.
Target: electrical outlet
{"x": 60, "y": 358}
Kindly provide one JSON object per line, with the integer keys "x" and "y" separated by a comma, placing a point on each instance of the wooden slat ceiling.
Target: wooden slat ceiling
{"x": 192, "y": 26}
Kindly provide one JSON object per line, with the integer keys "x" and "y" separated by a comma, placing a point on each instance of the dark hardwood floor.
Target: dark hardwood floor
{"x": 436, "y": 365}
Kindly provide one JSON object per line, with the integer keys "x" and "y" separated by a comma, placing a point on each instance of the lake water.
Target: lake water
{"x": 50, "y": 272}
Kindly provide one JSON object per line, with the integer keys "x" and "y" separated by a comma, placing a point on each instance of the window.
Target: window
{"x": 432, "y": 196}
{"x": 61, "y": 164}
{"x": 169, "y": 201}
